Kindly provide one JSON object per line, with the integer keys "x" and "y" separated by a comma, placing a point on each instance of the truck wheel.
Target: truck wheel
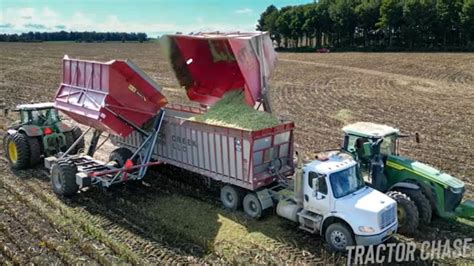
{"x": 407, "y": 213}
{"x": 17, "y": 150}
{"x": 230, "y": 197}
{"x": 422, "y": 203}
{"x": 63, "y": 178}
{"x": 77, "y": 133}
{"x": 252, "y": 206}
{"x": 338, "y": 237}
{"x": 35, "y": 151}
{"x": 120, "y": 156}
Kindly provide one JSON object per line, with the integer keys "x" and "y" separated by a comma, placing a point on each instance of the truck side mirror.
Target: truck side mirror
{"x": 417, "y": 137}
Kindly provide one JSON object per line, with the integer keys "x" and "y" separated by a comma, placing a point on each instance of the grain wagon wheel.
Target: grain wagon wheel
{"x": 63, "y": 178}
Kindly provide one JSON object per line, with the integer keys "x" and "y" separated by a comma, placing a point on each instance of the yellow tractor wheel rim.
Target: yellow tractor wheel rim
{"x": 12, "y": 152}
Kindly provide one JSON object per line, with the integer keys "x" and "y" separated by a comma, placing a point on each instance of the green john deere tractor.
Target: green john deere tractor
{"x": 39, "y": 132}
{"x": 419, "y": 189}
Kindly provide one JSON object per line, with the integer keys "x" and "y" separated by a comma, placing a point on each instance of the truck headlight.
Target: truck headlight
{"x": 366, "y": 229}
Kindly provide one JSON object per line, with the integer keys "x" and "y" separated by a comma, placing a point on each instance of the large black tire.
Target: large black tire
{"x": 120, "y": 156}
{"x": 407, "y": 213}
{"x": 252, "y": 206}
{"x": 338, "y": 236}
{"x": 231, "y": 197}
{"x": 422, "y": 203}
{"x": 63, "y": 178}
{"x": 35, "y": 151}
{"x": 76, "y": 133}
{"x": 17, "y": 150}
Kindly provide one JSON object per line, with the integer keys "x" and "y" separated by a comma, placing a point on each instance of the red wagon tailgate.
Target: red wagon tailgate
{"x": 104, "y": 95}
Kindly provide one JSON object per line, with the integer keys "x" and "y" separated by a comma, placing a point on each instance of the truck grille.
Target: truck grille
{"x": 388, "y": 217}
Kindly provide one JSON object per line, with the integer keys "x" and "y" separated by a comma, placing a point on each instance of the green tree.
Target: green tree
{"x": 391, "y": 13}
{"x": 448, "y": 19}
{"x": 344, "y": 18}
{"x": 467, "y": 19}
{"x": 368, "y": 13}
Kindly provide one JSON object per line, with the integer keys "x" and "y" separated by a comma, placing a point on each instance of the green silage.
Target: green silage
{"x": 232, "y": 111}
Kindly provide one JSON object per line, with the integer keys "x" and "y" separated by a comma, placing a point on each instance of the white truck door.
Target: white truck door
{"x": 316, "y": 201}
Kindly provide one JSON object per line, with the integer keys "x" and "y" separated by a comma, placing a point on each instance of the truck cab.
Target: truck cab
{"x": 330, "y": 197}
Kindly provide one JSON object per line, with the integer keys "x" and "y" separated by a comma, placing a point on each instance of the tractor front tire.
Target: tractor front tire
{"x": 35, "y": 151}
{"x": 422, "y": 203}
{"x": 120, "y": 156}
{"x": 407, "y": 213}
{"x": 63, "y": 178}
{"x": 17, "y": 150}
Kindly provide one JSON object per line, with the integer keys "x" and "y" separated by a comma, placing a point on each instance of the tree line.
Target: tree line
{"x": 85, "y": 36}
{"x": 382, "y": 24}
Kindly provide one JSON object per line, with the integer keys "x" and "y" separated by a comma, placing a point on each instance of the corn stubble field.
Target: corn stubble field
{"x": 173, "y": 216}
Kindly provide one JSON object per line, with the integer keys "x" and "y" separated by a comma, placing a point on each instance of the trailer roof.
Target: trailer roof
{"x": 35, "y": 106}
{"x": 367, "y": 129}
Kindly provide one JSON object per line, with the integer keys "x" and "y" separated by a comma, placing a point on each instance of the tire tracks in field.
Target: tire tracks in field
{"x": 399, "y": 77}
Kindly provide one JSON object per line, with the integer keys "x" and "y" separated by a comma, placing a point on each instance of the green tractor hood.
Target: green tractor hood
{"x": 426, "y": 171}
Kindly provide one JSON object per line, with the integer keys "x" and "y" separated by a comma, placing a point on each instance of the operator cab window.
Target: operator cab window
{"x": 323, "y": 188}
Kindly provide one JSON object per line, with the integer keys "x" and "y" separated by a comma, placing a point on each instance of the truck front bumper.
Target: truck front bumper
{"x": 368, "y": 240}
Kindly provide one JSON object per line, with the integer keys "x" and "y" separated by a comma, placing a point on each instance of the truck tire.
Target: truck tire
{"x": 76, "y": 134}
{"x": 422, "y": 203}
{"x": 63, "y": 178}
{"x": 231, "y": 197}
{"x": 17, "y": 150}
{"x": 252, "y": 206}
{"x": 120, "y": 156}
{"x": 407, "y": 213}
{"x": 35, "y": 151}
{"x": 339, "y": 236}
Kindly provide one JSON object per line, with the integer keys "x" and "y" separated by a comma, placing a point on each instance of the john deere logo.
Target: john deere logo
{"x": 136, "y": 92}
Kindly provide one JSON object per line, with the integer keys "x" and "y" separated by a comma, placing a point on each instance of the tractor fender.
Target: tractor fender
{"x": 31, "y": 131}
{"x": 63, "y": 127}
{"x": 405, "y": 185}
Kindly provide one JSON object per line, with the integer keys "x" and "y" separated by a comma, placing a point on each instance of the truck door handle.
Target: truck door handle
{"x": 306, "y": 198}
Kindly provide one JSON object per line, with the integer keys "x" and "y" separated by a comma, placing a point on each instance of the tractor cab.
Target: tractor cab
{"x": 40, "y": 114}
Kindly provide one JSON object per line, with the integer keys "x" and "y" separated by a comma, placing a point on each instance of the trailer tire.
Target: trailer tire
{"x": 17, "y": 150}
{"x": 231, "y": 197}
{"x": 63, "y": 178}
{"x": 252, "y": 206}
{"x": 422, "y": 203}
{"x": 120, "y": 156}
{"x": 338, "y": 236}
{"x": 407, "y": 213}
{"x": 35, "y": 151}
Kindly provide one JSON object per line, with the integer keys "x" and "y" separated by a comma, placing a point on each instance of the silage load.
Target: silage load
{"x": 232, "y": 111}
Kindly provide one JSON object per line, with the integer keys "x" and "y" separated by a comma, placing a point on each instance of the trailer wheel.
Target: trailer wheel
{"x": 407, "y": 213}
{"x": 17, "y": 150}
{"x": 422, "y": 203}
{"x": 63, "y": 178}
{"x": 120, "y": 156}
{"x": 35, "y": 150}
{"x": 252, "y": 206}
{"x": 231, "y": 197}
{"x": 338, "y": 237}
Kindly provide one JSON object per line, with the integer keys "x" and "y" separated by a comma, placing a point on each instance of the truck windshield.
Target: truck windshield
{"x": 345, "y": 182}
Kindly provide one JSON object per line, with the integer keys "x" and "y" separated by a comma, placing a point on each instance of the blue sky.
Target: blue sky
{"x": 153, "y": 17}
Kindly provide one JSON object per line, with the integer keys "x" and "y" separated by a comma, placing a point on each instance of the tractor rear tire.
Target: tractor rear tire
{"x": 63, "y": 178}
{"x": 422, "y": 203}
{"x": 77, "y": 133}
{"x": 17, "y": 150}
{"x": 35, "y": 151}
{"x": 120, "y": 156}
{"x": 407, "y": 213}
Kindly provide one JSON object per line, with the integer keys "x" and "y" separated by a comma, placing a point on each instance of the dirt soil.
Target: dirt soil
{"x": 173, "y": 217}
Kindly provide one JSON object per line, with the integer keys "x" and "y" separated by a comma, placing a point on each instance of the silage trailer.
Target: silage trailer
{"x": 325, "y": 196}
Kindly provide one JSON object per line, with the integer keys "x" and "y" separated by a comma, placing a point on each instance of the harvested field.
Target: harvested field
{"x": 173, "y": 217}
